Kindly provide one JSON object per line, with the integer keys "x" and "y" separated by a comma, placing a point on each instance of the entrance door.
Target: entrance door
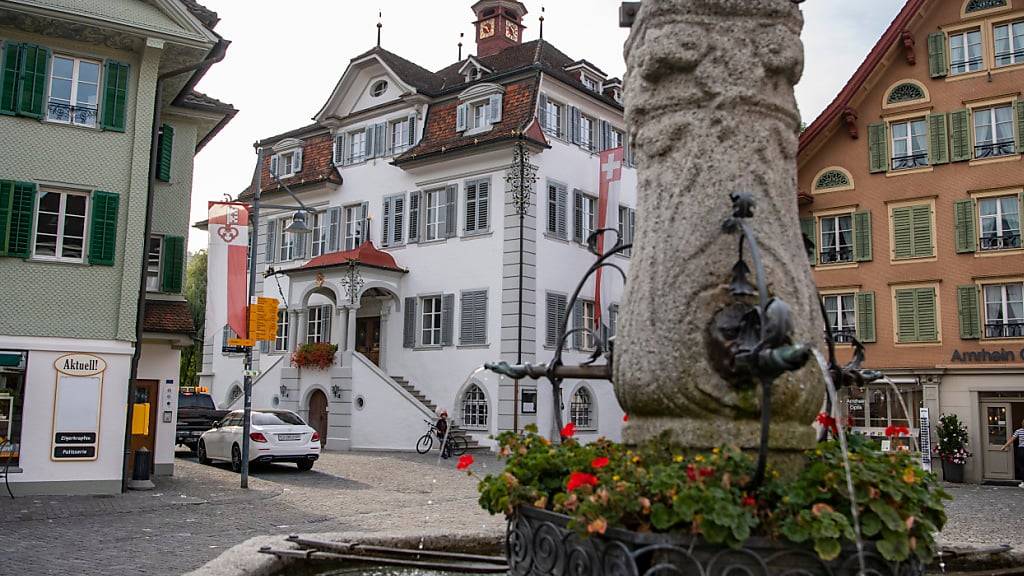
{"x": 318, "y": 414}
{"x": 998, "y": 465}
{"x": 144, "y": 400}
{"x": 368, "y": 338}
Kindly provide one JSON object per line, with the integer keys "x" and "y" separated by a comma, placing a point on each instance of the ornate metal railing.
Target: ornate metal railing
{"x": 1007, "y": 240}
{"x": 843, "y": 335}
{"x": 994, "y": 149}
{"x": 910, "y": 161}
{"x": 965, "y": 66}
{"x": 1004, "y": 330}
{"x": 836, "y": 255}
{"x": 82, "y": 115}
{"x": 1008, "y": 58}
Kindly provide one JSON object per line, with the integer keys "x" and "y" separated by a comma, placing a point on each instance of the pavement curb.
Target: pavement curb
{"x": 245, "y": 559}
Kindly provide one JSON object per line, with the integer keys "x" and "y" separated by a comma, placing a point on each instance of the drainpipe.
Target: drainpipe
{"x": 217, "y": 54}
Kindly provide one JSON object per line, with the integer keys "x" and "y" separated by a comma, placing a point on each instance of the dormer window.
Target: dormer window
{"x": 287, "y": 160}
{"x": 480, "y": 109}
{"x": 473, "y": 69}
{"x": 379, "y": 88}
{"x": 589, "y": 83}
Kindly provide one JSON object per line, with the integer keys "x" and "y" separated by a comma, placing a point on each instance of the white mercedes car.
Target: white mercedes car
{"x": 275, "y": 436}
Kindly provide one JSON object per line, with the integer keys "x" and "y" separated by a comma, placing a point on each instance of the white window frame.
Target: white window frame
{"x": 1004, "y": 239}
{"x": 354, "y": 219}
{"x": 1016, "y": 52}
{"x": 353, "y": 154}
{"x": 587, "y": 132}
{"x": 617, "y": 138}
{"x": 1005, "y": 147}
{"x": 479, "y": 116}
{"x": 588, "y": 334}
{"x": 75, "y": 80}
{"x": 836, "y": 236}
{"x": 316, "y": 322}
{"x": 283, "y": 326}
{"x": 398, "y": 133}
{"x": 285, "y": 162}
{"x": 843, "y": 303}
{"x": 589, "y": 83}
{"x": 589, "y": 219}
{"x": 318, "y": 237}
{"x": 285, "y": 241}
{"x": 382, "y": 84}
{"x": 914, "y": 157}
{"x": 586, "y": 408}
{"x": 431, "y": 323}
{"x": 58, "y": 255}
{"x": 474, "y": 408}
{"x": 155, "y": 275}
{"x": 435, "y": 215}
{"x": 963, "y": 41}
{"x": 627, "y": 228}
{"x": 1003, "y": 302}
{"x": 554, "y": 115}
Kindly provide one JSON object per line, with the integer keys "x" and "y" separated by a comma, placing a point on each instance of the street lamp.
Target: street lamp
{"x": 298, "y": 227}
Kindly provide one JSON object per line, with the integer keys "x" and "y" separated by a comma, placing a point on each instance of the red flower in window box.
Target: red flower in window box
{"x": 569, "y": 430}
{"x": 318, "y": 356}
{"x": 578, "y": 479}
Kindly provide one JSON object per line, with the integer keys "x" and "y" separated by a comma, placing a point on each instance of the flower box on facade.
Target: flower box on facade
{"x": 315, "y": 356}
{"x": 540, "y": 544}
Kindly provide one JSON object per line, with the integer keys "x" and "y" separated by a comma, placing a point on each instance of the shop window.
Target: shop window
{"x": 875, "y": 407}
{"x": 12, "y": 401}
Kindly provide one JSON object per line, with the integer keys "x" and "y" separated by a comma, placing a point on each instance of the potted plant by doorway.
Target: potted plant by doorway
{"x": 317, "y": 355}
{"x": 952, "y": 447}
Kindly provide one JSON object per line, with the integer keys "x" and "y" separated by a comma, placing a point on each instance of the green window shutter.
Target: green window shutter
{"x": 165, "y": 146}
{"x": 937, "y": 66}
{"x": 32, "y": 80}
{"x": 9, "y": 79}
{"x": 115, "y": 96}
{"x": 938, "y": 139}
{"x": 862, "y": 236}
{"x": 927, "y": 323}
{"x": 6, "y": 198}
{"x": 878, "y": 148}
{"x": 103, "y": 228}
{"x": 21, "y": 208}
{"x": 866, "y": 316}
{"x": 906, "y": 315}
{"x": 923, "y": 238}
{"x": 902, "y": 233}
{"x": 960, "y": 134}
{"x": 970, "y": 319}
{"x": 807, "y": 226}
{"x": 966, "y": 237}
{"x": 1020, "y": 126}
{"x": 173, "y": 264}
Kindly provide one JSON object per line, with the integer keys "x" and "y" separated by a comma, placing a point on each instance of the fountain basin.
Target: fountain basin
{"x": 541, "y": 544}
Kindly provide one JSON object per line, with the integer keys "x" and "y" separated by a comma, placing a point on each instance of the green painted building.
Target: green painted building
{"x": 99, "y": 125}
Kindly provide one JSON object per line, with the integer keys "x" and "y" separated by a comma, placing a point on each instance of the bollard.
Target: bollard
{"x": 140, "y": 471}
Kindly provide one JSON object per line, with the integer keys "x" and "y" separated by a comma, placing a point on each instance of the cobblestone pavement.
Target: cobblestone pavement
{"x": 193, "y": 517}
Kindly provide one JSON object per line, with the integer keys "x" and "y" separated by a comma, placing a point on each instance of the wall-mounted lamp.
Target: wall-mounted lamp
{"x": 284, "y": 391}
{"x": 336, "y": 390}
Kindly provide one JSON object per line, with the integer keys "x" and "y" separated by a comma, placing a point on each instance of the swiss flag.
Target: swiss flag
{"x": 607, "y": 217}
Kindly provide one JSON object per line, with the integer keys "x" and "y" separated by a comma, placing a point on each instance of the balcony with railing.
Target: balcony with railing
{"x": 1014, "y": 329}
{"x": 910, "y": 161}
{"x": 995, "y": 149}
{"x": 1005, "y": 241}
{"x": 66, "y": 113}
{"x": 836, "y": 255}
{"x": 843, "y": 335}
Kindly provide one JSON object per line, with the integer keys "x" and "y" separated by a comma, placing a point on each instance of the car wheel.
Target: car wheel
{"x": 201, "y": 453}
{"x": 305, "y": 465}
{"x": 236, "y": 459}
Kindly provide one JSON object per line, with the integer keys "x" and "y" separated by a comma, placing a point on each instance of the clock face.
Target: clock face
{"x": 487, "y": 28}
{"x": 511, "y": 31}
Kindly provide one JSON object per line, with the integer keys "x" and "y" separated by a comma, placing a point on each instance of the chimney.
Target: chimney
{"x": 499, "y": 25}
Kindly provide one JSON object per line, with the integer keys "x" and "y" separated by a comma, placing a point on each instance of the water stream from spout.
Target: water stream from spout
{"x": 841, "y": 429}
{"x": 465, "y": 383}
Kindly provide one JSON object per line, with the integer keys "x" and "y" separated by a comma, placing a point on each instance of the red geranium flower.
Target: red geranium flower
{"x": 625, "y": 417}
{"x": 599, "y": 462}
{"x": 577, "y": 479}
{"x": 828, "y": 422}
{"x": 691, "y": 472}
{"x": 705, "y": 472}
{"x": 569, "y": 430}
{"x": 750, "y": 501}
{"x": 897, "y": 431}
{"x": 465, "y": 462}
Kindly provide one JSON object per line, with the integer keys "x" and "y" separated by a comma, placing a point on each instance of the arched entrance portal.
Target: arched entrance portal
{"x": 318, "y": 414}
{"x": 374, "y": 307}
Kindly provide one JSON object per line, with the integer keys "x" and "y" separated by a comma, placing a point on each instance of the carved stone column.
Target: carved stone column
{"x": 709, "y": 101}
{"x": 295, "y": 329}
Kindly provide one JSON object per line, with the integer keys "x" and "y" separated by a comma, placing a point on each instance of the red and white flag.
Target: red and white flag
{"x": 229, "y": 252}
{"x": 607, "y": 217}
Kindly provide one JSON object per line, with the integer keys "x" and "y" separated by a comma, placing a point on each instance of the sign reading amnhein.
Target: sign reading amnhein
{"x": 76, "y": 406}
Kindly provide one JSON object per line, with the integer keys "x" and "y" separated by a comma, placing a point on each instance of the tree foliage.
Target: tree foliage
{"x": 195, "y": 293}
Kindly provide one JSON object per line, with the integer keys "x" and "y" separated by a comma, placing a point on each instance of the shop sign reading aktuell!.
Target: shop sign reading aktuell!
{"x": 80, "y": 364}
{"x": 987, "y": 356}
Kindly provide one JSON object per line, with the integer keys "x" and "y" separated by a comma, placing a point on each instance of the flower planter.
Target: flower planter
{"x": 539, "y": 544}
{"x": 952, "y": 472}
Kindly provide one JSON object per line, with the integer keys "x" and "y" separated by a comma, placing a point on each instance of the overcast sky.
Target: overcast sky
{"x": 285, "y": 58}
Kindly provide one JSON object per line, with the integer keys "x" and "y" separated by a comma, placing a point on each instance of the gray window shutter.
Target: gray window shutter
{"x": 937, "y": 66}
{"x": 938, "y": 139}
{"x": 414, "y": 216}
{"x": 605, "y": 136}
{"x": 494, "y": 108}
{"x": 862, "y": 236}
{"x": 613, "y": 319}
{"x": 346, "y": 152}
{"x": 398, "y": 214}
{"x": 451, "y": 210}
{"x": 471, "y": 206}
{"x": 412, "y": 130}
{"x": 562, "y": 213}
{"x": 325, "y": 326}
{"x": 339, "y": 148}
{"x": 274, "y": 161}
{"x": 1020, "y": 126}
{"x": 461, "y": 114}
{"x": 447, "y": 319}
{"x": 380, "y": 139}
{"x": 577, "y": 229}
{"x": 574, "y": 124}
{"x": 385, "y": 236}
{"x": 364, "y": 223}
{"x": 542, "y": 111}
{"x": 409, "y": 334}
{"x": 271, "y": 236}
{"x": 297, "y": 161}
{"x": 483, "y": 193}
{"x": 577, "y": 323}
{"x": 333, "y": 228}
{"x": 368, "y": 142}
{"x": 970, "y": 318}
{"x": 473, "y": 323}
{"x": 966, "y": 237}
{"x": 554, "y": 314}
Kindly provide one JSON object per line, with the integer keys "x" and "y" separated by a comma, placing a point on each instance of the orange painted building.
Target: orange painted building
{"x": 911, "y": 186}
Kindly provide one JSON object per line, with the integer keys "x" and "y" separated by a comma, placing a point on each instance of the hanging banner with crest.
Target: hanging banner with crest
{"x": 228, "y": 256}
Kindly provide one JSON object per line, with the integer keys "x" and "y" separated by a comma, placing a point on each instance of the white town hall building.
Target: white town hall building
{"x": 406, "y": 169}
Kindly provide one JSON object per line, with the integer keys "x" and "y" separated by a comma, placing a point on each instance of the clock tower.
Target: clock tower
{"x": 499, "y": 25}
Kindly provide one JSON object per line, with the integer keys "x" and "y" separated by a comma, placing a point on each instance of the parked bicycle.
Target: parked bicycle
{"x": 457, "y": 445}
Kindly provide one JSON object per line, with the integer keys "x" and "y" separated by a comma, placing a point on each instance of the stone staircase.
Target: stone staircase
{"x": 429, "y": 404}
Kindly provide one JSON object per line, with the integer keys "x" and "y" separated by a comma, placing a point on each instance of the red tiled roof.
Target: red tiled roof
{"x": 366, "y": 254}
{"x": 168, "y": 316}
{"x": 874, "y": 58}
{"x": 317, "y": 166}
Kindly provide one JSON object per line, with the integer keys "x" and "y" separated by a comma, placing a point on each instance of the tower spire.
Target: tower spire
{"x": 380, "y": 16}
{"x": 541, "y": 22}
{"x": 461, "y": 36}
